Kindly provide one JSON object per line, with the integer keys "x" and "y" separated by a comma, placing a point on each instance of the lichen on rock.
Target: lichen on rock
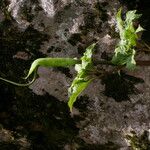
{"x": 64, "y": 28}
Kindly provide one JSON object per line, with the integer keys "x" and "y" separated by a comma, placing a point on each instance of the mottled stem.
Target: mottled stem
{"x": 138, "y": 62}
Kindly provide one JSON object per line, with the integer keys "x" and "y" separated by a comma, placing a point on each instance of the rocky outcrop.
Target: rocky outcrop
{"x": 113, "y": 106}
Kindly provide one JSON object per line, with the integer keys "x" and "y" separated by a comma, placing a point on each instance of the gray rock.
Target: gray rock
{"x": 71, "y": 26}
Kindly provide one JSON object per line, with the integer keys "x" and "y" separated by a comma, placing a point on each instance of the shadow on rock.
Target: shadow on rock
{"x": 44, "y": 120}
{"x": 107, "y": 146}
{"x": 120, "y": 86}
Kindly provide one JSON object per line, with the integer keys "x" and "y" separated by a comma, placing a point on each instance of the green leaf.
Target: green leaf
{"x": 124, "y": 51}
{"x": 78, "y": 88}
{"x": 119, "y": 20}
{"x": 120, "y": 59}
{"x": 139, "y": 29}
{"x": 131, "y": 16}
{"x": 82, "y": 79}
{"x": 87, "y": 57}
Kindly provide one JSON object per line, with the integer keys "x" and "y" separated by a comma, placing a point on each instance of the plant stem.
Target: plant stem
{"x": 143, "y": 62}
{"x": 138, "y": 62}
{"x": 103, "y": 62}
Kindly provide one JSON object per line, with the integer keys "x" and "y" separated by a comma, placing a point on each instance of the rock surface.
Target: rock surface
{"x": 108, "y": 109}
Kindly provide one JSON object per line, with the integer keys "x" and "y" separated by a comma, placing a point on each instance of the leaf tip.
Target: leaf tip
{"x": 70, "y": 105}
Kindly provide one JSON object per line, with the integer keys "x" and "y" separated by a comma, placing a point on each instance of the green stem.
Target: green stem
{"x": 19, "y": 84}
{"x": 138, "y": 62}
{"x": 143, "y": 63}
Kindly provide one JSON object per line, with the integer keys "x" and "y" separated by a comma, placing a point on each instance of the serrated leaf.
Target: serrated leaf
{"x": 78, "y": 88}
{"x": 124, "y": 51}
{"x": 119, "y": 20}
{"x": 87, "y": 57}
{"x": 131, "y": 16}
{"x": 125, "y": 59}
{"x": 139, "y": 29}
{"x": 120, "y": 59}
{"x": 82, "y": 79}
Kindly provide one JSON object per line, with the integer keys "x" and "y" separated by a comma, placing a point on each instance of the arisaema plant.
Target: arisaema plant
{"x": 124, "y": 55}
{"x": 81, "y": 66}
